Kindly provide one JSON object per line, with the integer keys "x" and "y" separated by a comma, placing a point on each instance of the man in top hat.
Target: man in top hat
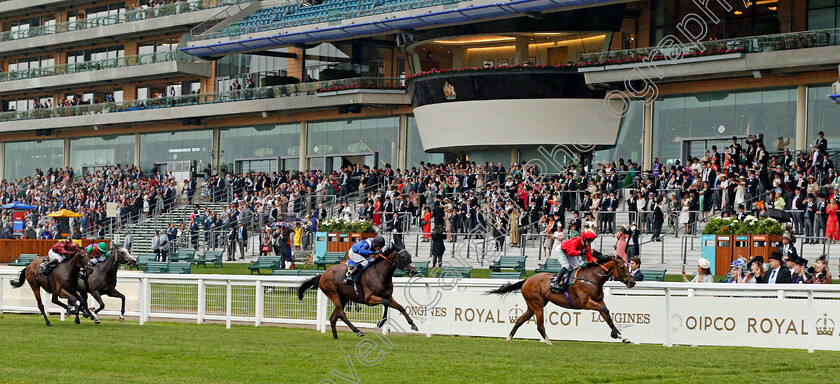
{"x": 822, "y": 143}
{"x": 798, "y": 271}
{"x": 809, "y": 213}
{"x": 741, "y": 215}
{"x": 788, "y": 249}
{"x": 778, "y": 273}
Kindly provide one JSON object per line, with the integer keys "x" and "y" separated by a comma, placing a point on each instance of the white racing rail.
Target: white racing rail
{"x": 756, "y": 315}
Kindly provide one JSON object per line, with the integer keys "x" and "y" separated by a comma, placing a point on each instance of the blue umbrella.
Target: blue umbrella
{"x": 16, "y": 205}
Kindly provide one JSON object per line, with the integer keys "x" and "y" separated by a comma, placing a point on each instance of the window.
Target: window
{"x": 22, "y": 158}
{"x": 260, "y": 142}
{"x": 156, "y": 148}
{"x": 98, "y": 151}
{"x": 823, "y": 14}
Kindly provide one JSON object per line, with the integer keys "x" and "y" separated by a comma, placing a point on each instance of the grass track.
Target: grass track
{"x": 189, "y": 353}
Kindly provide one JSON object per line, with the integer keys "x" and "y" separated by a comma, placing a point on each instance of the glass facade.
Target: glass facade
{"x": 89, "y": 153}
{"x": 256, "y": 148}
{"x": 159, "y": 148}
{"x": 23, "y": 157}
{"x": 823, "y": 115}
{"x": 495, "y": 155}
{"x": 823, "y": 14}
{"x": 629, "y": 144}
{"x": 770, "y": 112}
{"x": 414, "y": 152}
{"x": 354, "y": 140}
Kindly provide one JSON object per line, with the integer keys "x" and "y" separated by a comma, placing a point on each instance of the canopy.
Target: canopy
{"x": 64, "y": 213}
{"x": 16, "y": 205}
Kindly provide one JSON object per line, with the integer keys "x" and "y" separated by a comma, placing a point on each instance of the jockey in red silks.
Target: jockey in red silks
{"x": 58, "y": 253}
{"x": 570, "y": 250}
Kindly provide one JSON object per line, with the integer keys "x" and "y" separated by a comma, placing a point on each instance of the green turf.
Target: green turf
{"x": 188, "y": 353}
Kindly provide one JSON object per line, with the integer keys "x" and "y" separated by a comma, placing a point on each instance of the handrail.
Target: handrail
{"x": 122, "y": 17}
{"x": 218, "y": 18}
{"x": 86, "y": 66}
{"x": 198, "y": 99}
{"x": 750, "y": 44}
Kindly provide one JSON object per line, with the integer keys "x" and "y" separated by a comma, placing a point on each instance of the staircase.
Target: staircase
{"x": 144, "y": 231}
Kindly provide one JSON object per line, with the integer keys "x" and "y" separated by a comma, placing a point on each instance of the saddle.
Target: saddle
{"x": 559, "y": 284}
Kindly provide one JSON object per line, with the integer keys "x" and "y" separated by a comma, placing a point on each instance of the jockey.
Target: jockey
{"x": 362, "y": 253}
{"x": 98, "y": 252}
{"x": 57, "y": 254}
{"x": 569, "y": 252}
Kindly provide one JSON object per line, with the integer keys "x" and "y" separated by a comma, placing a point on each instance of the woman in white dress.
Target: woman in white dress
{"x": 739, "y": 192}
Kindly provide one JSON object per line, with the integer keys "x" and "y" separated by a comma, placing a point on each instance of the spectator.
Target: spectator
{"x": 704, "y": 273}
{"x": 819, "y": 272}
{"x": 778, "y": 273}
{"x": 756, "y": 267}
{"x": 621, "y": 244}
{"x": 635, "y": 264}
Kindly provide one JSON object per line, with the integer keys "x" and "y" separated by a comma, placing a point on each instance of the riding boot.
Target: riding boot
{"x": 356, "y": 275}
{"x": 348, "y": 277}
{"x": 556, "y": 281}
{"x": 48, "y": 267}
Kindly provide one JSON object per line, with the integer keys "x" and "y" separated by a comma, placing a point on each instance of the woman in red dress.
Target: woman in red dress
{"x": 427, "y": 224}
{"x": 832, "y": 232}
{"x": 377, "y": 212}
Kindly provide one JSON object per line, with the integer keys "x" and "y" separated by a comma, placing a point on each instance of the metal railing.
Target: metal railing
{"x": 200, "y": 98}
{"x": 218, "y": 18}
{"x": 117, "y": 62}
{"x": 321, "y": 14}
{"x": 125, "y": 16}
{"x": 751, "y": 44}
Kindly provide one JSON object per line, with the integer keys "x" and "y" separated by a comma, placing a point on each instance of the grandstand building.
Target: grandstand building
{"x": 229, "y": 85}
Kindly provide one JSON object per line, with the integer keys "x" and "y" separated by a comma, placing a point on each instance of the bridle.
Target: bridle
{"x": 400, "y": 252}
{"x": 612, "y": 270}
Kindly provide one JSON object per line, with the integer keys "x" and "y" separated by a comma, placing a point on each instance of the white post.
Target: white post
{"x": 228, "y": 296}
{"x": 781, "y": 293}
{"x": 148, "y": 304}
{"x": 322, "y": 309}
{"x": 429, "y": 310}
{"x": 142, "y": 301}
{"x": 811, "y": 321}
{"x": 202, "y": 301}
{"x": 668, "y": 342}
{"x": 1, "y": 294}
{"x": 258, "y": 309}
{"x": 691, "y": 292}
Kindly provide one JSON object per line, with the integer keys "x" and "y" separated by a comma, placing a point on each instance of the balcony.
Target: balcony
{"x": 150, "y": 65}
{"x": 787, "y": 52}
{"x": 156, "y": 19}
{"x": 288, "y": 98}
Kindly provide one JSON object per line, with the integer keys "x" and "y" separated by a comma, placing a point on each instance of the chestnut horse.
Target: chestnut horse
{"x": 61, "y": 282}
{"x": 375, "y": 287}
{"x": 586, "y": 292}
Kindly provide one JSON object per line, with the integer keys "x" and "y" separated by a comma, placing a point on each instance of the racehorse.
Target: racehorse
{"x": 375, "y": 286}
{"x": 61, "y": 282}
{"x": 103, "y": 279}
{"x": 586, "y": 292}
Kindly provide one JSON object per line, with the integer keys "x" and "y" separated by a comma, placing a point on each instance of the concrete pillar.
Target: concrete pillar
{"x": 402, "y": 150}
{"x": 136, "y": 149}
{"x": 514, "y": 155}
{"x": 2, "y": 161}
{"x": 647, "y": 142}
{"x": 521, "y": 54}
{"x": 296, "y": 67}
{"x": 801, "y": 118}
{"x": 67, "y": 155}
{"x": 216, "y": 152}
{"x": 130, "y": 48}
{"x": 459, "y": 57}
{"x": 303, "y": 147}
{"x": 129, "y": 92}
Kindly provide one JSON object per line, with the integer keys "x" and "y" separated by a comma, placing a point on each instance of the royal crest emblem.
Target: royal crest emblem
{"x": 825, "y": 326}
{"x": 449, "y": 91}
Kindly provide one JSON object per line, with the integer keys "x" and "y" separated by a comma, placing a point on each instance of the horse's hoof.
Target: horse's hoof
{"x": 414, "y": 328}
{"x": 77, "y": 321}
{"x": 509, "y": 339}
{"x": 625, "y": 340}
{"x": 548, "y": 342}
{"x": 122, "y": 319}
{"x": 49, "y": 325}
{"x": 360, "y": 334}
{"x": 614, "y": 335}
{"x": 92, "y": 309}
{"x": 380, "y": 323}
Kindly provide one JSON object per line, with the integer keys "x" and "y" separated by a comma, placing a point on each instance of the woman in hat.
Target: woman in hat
{"x": 819, "y": 272}
{"x": 704, "y": 273}
{"x": 756, "y": 267}
{"x": 736, "y": 275}
{"x": 831, "y": 230}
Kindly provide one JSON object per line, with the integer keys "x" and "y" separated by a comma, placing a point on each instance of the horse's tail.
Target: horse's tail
{"x": 21, "y": 279}
{"x": 507, "y": 288}
{"x": 308, "y": 284}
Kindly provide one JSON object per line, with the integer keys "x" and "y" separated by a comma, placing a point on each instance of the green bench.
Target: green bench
{"x": 183, "y": 255}
{"x": 653, "y": 274}
{"x": 505, "y": 275}
{"x": 330, "y": 258}
{"x": 213, "y": 257}
{"x": 516, "y": 263}
{"x": 23, "y": 260}
{"x": 454, "y": 271}
{"x": 294, "y": 272}
{"x": 300, "y": 256}
{"x": 265, "y": 262}
{"x": 157, "y": 267}
{"x": 422, "y": 270}
{"x": 551, "y": 265}
{"x": 181, "y": 268}
{"x": 143, "y": 259}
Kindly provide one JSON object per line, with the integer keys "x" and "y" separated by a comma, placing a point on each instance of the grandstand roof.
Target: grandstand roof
{"x": 425, "y": 20}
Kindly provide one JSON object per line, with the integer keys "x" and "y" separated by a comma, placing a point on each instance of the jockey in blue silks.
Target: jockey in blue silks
{"x": 361, "y": 254}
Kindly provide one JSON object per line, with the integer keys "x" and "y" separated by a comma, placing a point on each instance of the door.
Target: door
{"x": 558, "y": 55}
{"x": 256, "y": 165}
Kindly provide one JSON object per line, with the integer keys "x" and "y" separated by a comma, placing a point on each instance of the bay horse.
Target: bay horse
{"x": 103, "y": 279}
{"x": 61, "y": 282}
{"x": 586, "y": 292}
{"x": 375, "y": 287}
